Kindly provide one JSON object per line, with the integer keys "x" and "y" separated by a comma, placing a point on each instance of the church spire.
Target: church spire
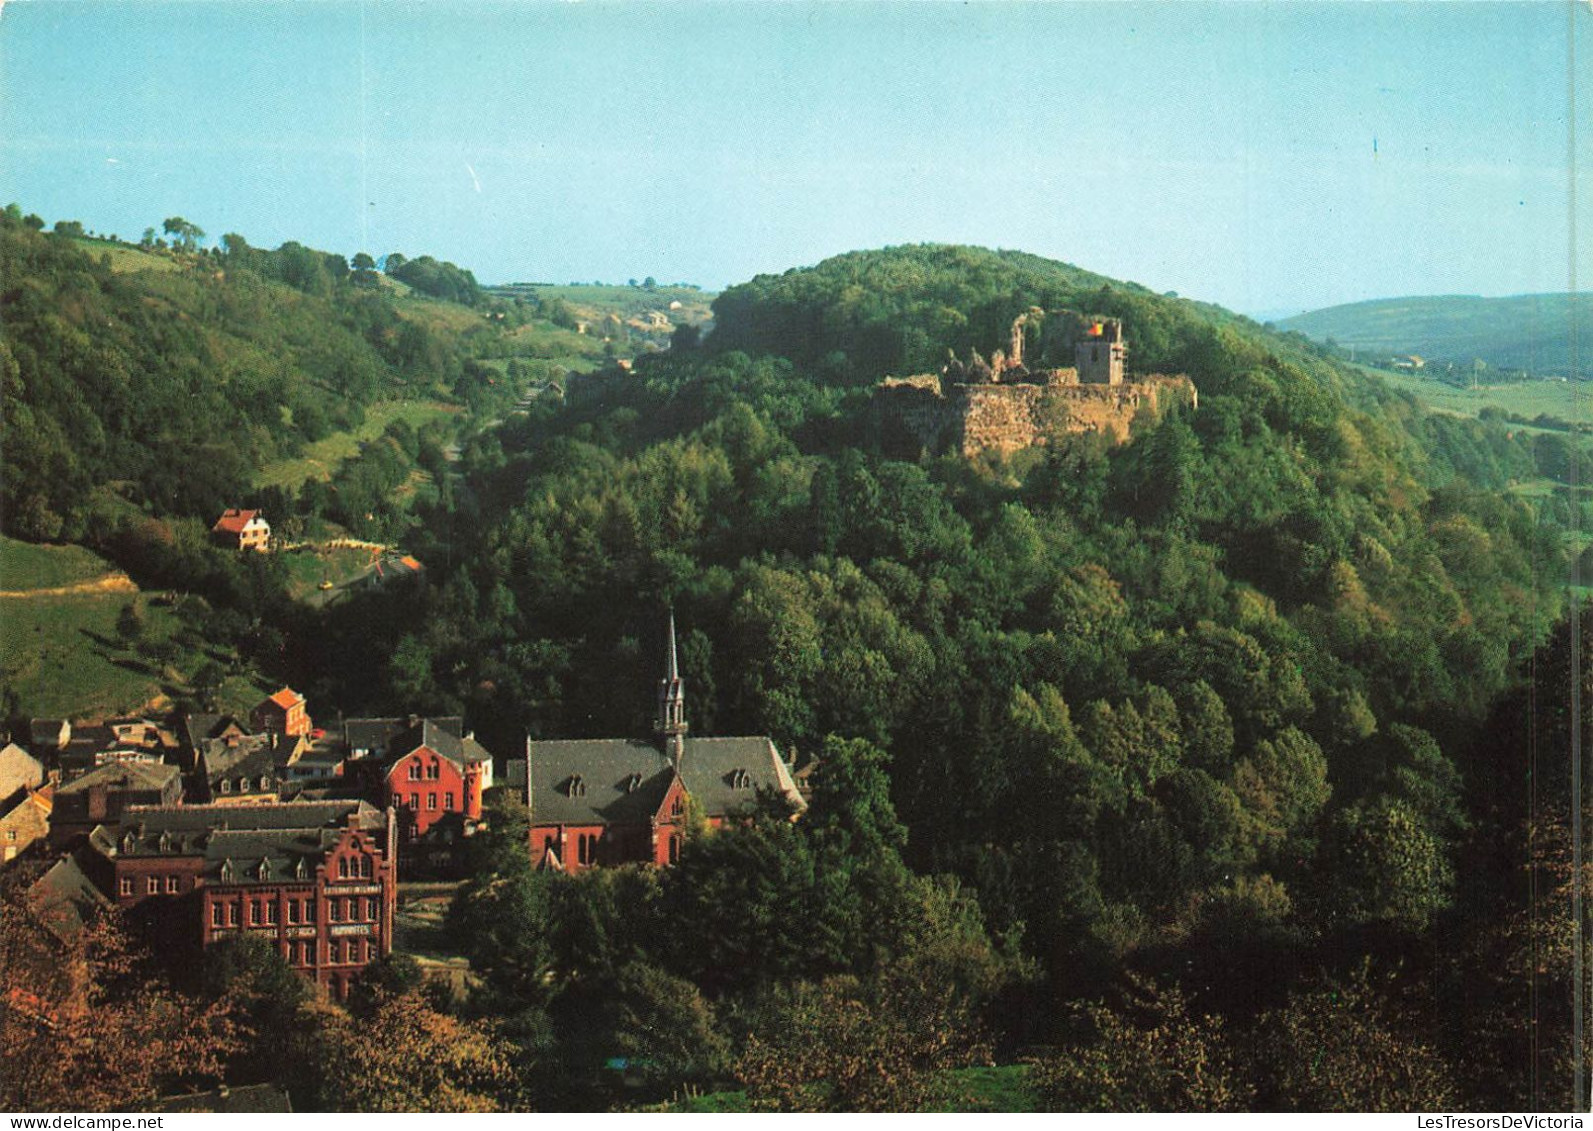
{"x": 672, "y": 701}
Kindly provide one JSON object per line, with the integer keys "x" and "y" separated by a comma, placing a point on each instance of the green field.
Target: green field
{"x": 27, "y": 566}
{"x": 62, "y": 656}
{"x": 125, "y": 259}
{"x": 1530, "y": 333}
{"x": 310, "y": 566}
{"x": 1567, "y": 400}
{"x": 322, "y": 458}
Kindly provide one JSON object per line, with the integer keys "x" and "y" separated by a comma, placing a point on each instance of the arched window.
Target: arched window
{"x": 342, "y": 867}
{"x": 674, "y": 850}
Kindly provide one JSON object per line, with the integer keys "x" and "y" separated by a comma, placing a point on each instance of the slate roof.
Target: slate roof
{"x": 18, "y": 770}
{"x": 441, "y": 735}
{"x": 290, "y": 838}
{"x": 64, "y": 898}
{"x": 194, "y": 729}
{"x": 378, "y": 734}
{"x": 124, "y": 777}
{"x": 623, "y": 781}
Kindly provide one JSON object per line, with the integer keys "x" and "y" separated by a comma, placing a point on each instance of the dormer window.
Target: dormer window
{"x": 165, "y": 841}
{"x": 129, "y": 842}
{"x": 226, "y": 785}
{"x": 265, "y": 868}
{"x": 265, "y": 783}
{"x": 575, "y": 787}
{"x": 243, "y": 785}
{"x": 300, "y": 871}
{"x": 740, "y": 779}
{"x": 227, "y": 871}
{"x": 632, "y": 783}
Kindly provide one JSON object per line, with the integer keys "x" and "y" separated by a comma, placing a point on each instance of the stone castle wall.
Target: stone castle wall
{"x": 918, "y": 414}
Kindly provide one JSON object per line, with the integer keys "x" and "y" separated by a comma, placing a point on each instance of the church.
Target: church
{"x": 606, "y": 801}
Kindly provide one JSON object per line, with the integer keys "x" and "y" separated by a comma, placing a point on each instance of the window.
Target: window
{"x": 216, "y": 915}
{"x": 11, "y": 834}
{"x": 414, "y": 771}
{"x": 265, "y": 783}
{"x": 342, "y": 867}
{"x": 232, "y": 914}
{"x": 334, "y": 910}
{"x": 433, "y": 771}
{"x": 171, "y": 885}
{"x": 431, "y": 802}
{"x": 152, "y": 885}
{"x": 226, "y": 785}
{"x": 293, "y": 911}
{"x": 365, "y": 866}
{"x": 448, "y": 802}
{"x": 243, "y": 785}
{"x": 414, "y": 801}
{"x": 271, "y": 911}
{"x": 309, "y": 910}
{"x": 254, "y": 914}
{"x": 674, "y": 850}
{"x": 126, "y": 886}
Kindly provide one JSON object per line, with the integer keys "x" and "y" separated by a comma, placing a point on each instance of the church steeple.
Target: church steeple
{"x": 672, "y": 702}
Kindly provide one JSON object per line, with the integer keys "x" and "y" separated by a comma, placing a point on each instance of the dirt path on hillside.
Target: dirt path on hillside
{"x": 110, "y": 583}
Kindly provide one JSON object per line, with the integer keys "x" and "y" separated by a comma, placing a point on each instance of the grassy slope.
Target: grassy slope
{"x": 1563, "y": 399}
{"x": 322, "y": 458}
{"x": 1530, "y": 332}
{"x": 62, "y": 654}
{"x": 126, "y": 259}
{"x": 26, "y": 566}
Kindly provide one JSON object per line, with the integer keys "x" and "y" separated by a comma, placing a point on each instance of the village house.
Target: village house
{"x": 608, "y": 801}
{"x": 104, "y": 793}
{"x": 282, "y": 713}
{"x": 317, "y": 879}
{"x": 24, "y": 821}
{"x": 19, "y": 771}
{"x": 242, "y": 530}
{"x": 431, "y": 771}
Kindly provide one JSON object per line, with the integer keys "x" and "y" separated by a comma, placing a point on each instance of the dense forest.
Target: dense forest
{"x": 1197, "y": 772}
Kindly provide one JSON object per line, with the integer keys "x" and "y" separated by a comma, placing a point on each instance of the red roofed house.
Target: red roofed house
{"x": 244, "y": 530}
{"x": 282, "y": 713}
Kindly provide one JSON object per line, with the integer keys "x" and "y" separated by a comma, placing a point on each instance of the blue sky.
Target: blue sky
{"x": 1271, "y": 157}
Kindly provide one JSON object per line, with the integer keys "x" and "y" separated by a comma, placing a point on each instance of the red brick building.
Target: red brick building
{"x": 282, "y": 713}
{"x": 434, "y": 777}
{"x": 621, "y": 801}
{"x": 319, "y": 879}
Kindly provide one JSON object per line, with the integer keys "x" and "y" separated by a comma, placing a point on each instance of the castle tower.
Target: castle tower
{"x": 1100, "y": 352}
{"x": 671, "y": 724}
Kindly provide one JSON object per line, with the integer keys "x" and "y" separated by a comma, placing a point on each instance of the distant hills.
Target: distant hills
{"x": 1527, "y": 333}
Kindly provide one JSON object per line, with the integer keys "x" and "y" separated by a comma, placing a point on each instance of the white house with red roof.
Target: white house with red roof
{"x": 243, "y": 530}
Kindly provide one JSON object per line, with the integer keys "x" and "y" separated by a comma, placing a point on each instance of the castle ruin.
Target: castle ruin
{"x": 1003, "y": 405}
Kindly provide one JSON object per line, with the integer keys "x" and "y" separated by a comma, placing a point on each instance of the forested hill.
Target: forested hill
{"x": 165, "y": 378}
{"x": 1528, "y": 333}
{"x": 1225, "y": 722}
{"x": 866, "y": 314}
